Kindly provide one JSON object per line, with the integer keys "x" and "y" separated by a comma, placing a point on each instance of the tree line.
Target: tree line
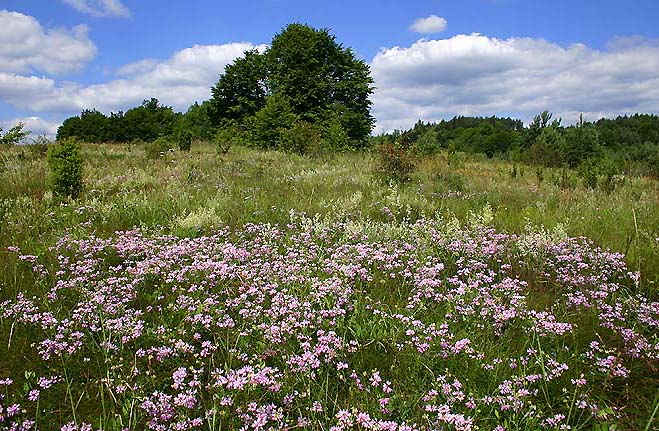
{"x": 626, "y": 143}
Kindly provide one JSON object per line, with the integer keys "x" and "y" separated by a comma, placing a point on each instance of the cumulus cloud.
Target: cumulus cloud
{"x": 479, "y": 75}
{"x": 138, "y": 67}
{"x": 99, "y": 7}
{"x": 429, "y": 24}
{"x": 178, "y": 81}
{"x": 37, "y": 125}
{"x": 25, "y": 46}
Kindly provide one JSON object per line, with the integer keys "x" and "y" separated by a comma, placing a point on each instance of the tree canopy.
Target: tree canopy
{"x": 147, "y": 122}
{"x": 307, "y": 69}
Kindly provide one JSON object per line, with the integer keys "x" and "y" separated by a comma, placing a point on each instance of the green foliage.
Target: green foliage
{"x": 588, "y": 171}
{"x": 197, "y": 121}
{"x": 241, "y": 90}
{"x": 451, "y": 181}
{"x": 157, "y": 148}
{"x": 317, "y": 76}
{"x": 499, "y": 141}
{"x": 149, "y": 121}
{"x": 565, "y": 180}
{"x": 316, "y": 73}
{"x": 607, "y": 171}
{"x": 427, "y": 144}
{"x": 14, "y": 135}
{"x": 395, "y": 162}
{"x": 539, "y": 174}
{"x": 539, "y": 123}
{"x": 580, "y": 144}
{"x": 546, "y": 150}
{"x": 269, "y": 124}
{"x": 302, "y": 138}
{"x": 65, "y": 166}
{"x": 146, "y": 122}
{"x": 335, "y": 137}
{"x": 631, "y": 143}
{"x": 184, "y": 140}
{"x": 230, "y": 134}
{"x": 89, "y": 126}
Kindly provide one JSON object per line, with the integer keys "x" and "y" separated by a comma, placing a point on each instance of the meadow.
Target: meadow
{"x": 263, "y": 290}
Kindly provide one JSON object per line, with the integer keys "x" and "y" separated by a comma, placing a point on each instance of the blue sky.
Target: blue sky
{"x": 473, "y": 57}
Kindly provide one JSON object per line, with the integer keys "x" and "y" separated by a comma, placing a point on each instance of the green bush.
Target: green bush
{"x": 427, "y": 144}
{"x": 607, "y": 170}
{"x": 395, "y": 162}
{"x": 302, "y": 138}
{"x": 158, "y": 148}
{"x": 269, "y": 123}
{"x": 227, "y": 136}
{"x": 588, "y": 173}
{"x": 335, "y": 136}
{"x": 184, "y": 141}
{"x": 65, "y": 166}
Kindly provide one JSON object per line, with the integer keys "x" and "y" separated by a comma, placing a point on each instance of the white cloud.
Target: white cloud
{"x": 479, "y": 75}
{"x": 37, "y": 125}
{"x": 25, "y": 46}
{"x": 99, "y": 7}
{"x": 138, "y": 67}
{"x": 178, "y": 81}
{"x": 429, "y": 24}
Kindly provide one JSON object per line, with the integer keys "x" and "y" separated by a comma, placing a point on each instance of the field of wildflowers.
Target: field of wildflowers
{"x": 403, "y": 318}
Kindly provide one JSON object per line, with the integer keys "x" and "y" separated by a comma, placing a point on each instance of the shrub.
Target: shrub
{"x": 427, "y": 144}
{"x": 546, "y": 149}
{"x": 269, "y": 123}
{"x": 588, "y": 173}
{"x": 184, "y": 141}
{"x": 135, "y": 143}
{"x": 395, "y": 162}
{"x": 65, "y": 166}
{"x": 227, "y": 136}
{"x": 607, "y": 171}
{"x": 302, "y": 138}
{"x": 157, "y": 148}
{"x": 457, "y": 159}
{"x": 335, "y": 136}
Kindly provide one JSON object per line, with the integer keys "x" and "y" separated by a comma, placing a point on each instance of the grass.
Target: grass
{"x": 184, "y": 193}
{"x": 241, "y": 195}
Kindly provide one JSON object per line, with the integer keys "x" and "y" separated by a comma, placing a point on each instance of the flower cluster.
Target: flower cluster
{"x": 330, "y": 326}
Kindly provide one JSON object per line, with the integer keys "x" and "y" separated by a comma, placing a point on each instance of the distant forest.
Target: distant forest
{"x": 628, "y": 144}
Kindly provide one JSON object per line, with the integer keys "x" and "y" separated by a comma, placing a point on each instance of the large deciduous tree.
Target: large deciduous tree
{"x": 242, "y": 89}
{"x": 322, "y": 81}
